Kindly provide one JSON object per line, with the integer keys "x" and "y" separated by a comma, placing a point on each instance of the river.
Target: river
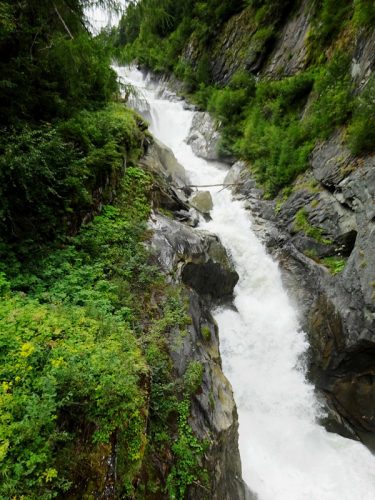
{"x": 285, "y": 453}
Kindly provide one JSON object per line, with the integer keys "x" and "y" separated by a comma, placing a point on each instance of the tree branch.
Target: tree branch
{"x": 63, "y": 22}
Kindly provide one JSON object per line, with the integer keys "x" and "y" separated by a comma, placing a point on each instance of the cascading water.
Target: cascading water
{"x": 285, "y": 453}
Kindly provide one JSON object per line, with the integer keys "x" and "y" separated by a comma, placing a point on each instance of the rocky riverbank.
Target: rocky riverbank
{"x": 323, "y": 236}
{"x": 198, "y": 261}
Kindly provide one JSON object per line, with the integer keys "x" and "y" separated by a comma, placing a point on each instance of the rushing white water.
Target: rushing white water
{"x": 285, "y": 453}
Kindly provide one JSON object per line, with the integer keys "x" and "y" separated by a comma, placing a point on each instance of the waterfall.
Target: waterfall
{"x": 285, "y": 453}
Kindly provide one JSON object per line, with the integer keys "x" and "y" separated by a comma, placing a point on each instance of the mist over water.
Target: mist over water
{"x": 285, "y": 453}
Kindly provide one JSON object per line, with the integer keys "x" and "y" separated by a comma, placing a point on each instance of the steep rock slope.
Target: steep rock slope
{"x": 197, "y": 260}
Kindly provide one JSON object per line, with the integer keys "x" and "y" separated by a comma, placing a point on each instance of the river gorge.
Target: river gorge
{"x": 285, "y": 453}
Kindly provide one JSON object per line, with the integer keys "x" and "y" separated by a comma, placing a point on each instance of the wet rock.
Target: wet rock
{"x": 202, "y": 201}
{"x": 197, "y": 257}
{"x": 214, "y": 415}
{"x": 204, "y": 137}
{"x": 170, "y": 191}
{"x": 161, "y": 160}
{"x": 309, "y": 246}
{"x": 331, "y": 162}
{"x": 190, "y": 107}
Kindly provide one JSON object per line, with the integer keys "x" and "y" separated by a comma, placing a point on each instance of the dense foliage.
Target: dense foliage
{"x": 84, "y": 362}
{"x": 53, "y": 173}
{"x": 88, "y": 398}
{"x": 273, "y": 124}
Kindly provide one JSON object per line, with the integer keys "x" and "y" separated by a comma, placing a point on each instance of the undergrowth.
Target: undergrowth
{"x": 84, "y": 361}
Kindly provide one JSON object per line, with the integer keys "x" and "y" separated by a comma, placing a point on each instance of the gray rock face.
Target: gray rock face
{"x": 214, "y": 415}
{"x": 338, "y": 312}
{"x": 204, "y": 137}
{"x": 202, "y": 201}
{"x": 363, "y": 62}
{"x": 161, "y": 160}
{"x": 197, "y": 259}
{"x": 289, "y": 55}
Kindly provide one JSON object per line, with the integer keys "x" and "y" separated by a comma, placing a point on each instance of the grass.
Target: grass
{"x": 301, "y": 223}
{"x": 334, "y": 264}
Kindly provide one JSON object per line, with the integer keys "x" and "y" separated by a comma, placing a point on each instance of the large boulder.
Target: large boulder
{"x": 204, "y": 137}
{"x": 161, "y": 160}
{"x": 202, "y": 201}
{"x": 197, "y": 257}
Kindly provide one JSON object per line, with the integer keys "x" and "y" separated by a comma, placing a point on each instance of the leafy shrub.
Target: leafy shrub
{"x": 187, "y": 450}
{"x": 332, "y": 104}
{"x": 243, "y": 80}
{"x": 361, "y": 131}
{"x": 334, "y": 264}
{"x": 227, "y": 104}
{"x": 48, "y": 75}
{"x": 61, "y": 364}
{"x": 364, "y": 12}
{"x": 206, "y": 333}
{"x": 51, "y": 173}
{"x": 329, "y": 19}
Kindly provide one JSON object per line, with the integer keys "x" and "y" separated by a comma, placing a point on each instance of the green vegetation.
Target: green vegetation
{"x": 364, "y": 13}
{"x": 53, "y": 173}
{"x": 361, "y": 131}
{"x": 43, "y": 61}
{"x": 334, "y": 264}
{"x": 206, "y": 333}
{"x": 73, "y": 374}
{"x": 77, "y": 361}
{"x": 301, "y": 223}
{"x": 186, "y": 449}
{"x": 64, "y": 372}
{"x": 272, "y": 124}
{"x": 85, "y": 317}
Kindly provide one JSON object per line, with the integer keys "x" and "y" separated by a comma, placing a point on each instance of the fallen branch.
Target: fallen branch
{"x": 63, "y": 22}
{"x": 214, "y": 185}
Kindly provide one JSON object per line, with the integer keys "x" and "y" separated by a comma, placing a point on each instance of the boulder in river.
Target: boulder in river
{"x": 199, "y": 257}
{"x": 202, "y": 201}
{"x": 204, "y": 137}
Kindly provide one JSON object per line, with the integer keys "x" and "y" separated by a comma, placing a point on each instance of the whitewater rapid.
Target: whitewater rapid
{"x": 285, "y": 453}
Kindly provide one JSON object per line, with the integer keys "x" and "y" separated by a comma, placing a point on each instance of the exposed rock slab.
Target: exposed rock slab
{"x": 214, "y": 414}
{"x": 202, "y": 201}
{"x": 204, "y": 137}
{"x": 198, "y": 257}
{"x": 289, "y": 55}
